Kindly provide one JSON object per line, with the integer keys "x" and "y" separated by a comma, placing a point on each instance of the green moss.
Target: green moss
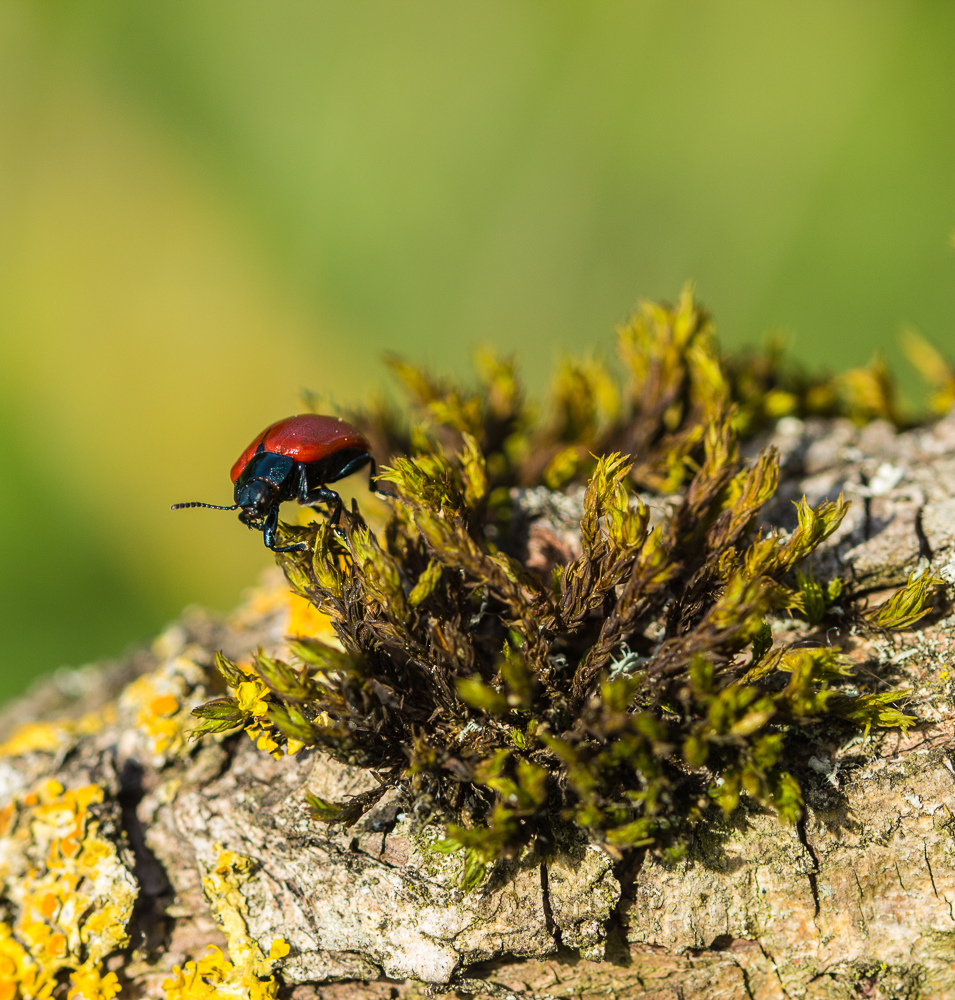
{"x": 638, "y": 686}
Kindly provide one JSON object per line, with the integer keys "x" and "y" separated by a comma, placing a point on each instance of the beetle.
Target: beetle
{"x": 295, "y": 459}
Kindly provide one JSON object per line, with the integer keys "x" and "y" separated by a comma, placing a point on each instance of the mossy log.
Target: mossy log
{"x": 108, "y": 809}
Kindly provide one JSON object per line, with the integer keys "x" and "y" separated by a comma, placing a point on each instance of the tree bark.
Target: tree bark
{"x": 212, "y": 843}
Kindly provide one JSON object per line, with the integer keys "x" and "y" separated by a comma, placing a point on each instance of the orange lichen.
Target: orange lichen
{"x": 164, "y": 705}
{"x": 31, "y": 736}
{"x": 72, "y": 895}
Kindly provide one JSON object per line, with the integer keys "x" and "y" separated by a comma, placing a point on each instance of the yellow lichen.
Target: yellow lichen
{"x": 20, "y": 976}
{"x": 265, "y": 600}
{"x": 245, "y": 975}
{"x": 50, "y": 737}
{"x": 72, "y": 895}
{"x": 88, "y": 983}
{"x": 221, "y": 887}
{"x": 31, "y": 736}
{"x": 305, "y": 619}
{"x": 216, "y": 976}
{"x": 274, "y": 597}
{"x": 159, "y": 705}
{"x": 279, "y": 949}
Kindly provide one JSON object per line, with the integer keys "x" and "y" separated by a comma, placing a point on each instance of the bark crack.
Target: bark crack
{"x": 549, "y": 922}
{"x": 925, "y": 550}
{"x": 747, "y": 986}
{"x": 865, "y": 929}
{"x": 484, "y": 987}
{"x": 812, "y": 876}
{"x": 931, "y": 875}
{"x": 866, "y": 507}
{"x": 772, "y": 961}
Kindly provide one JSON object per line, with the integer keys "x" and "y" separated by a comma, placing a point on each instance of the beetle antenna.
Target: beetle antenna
{"x": 211, "y": 506}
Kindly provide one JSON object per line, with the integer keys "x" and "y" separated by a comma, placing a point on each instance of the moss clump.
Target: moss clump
{"x": 636, "y": 686}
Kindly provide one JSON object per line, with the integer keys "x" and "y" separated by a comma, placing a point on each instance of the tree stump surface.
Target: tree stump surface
{"x": 212, "y": 843}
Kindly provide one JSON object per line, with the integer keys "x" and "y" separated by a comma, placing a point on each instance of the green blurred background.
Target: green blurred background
{"x": 205, "y": 207}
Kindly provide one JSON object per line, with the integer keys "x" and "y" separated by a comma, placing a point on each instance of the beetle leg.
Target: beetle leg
{"x": 305, "y": 498}
{"x": 268, "y": 534}
{"x": 268, "y": 529}
{"x": 321, "y": 494}
{"x": 302, "y": 487}
{"x": 334, "y": 502}
{"x": 373, "y": 483}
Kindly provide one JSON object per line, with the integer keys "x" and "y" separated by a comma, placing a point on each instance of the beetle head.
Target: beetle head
{"x": 256, "y": 497}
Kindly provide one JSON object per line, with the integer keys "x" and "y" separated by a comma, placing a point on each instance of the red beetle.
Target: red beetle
{"x": 294, "y": 459}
